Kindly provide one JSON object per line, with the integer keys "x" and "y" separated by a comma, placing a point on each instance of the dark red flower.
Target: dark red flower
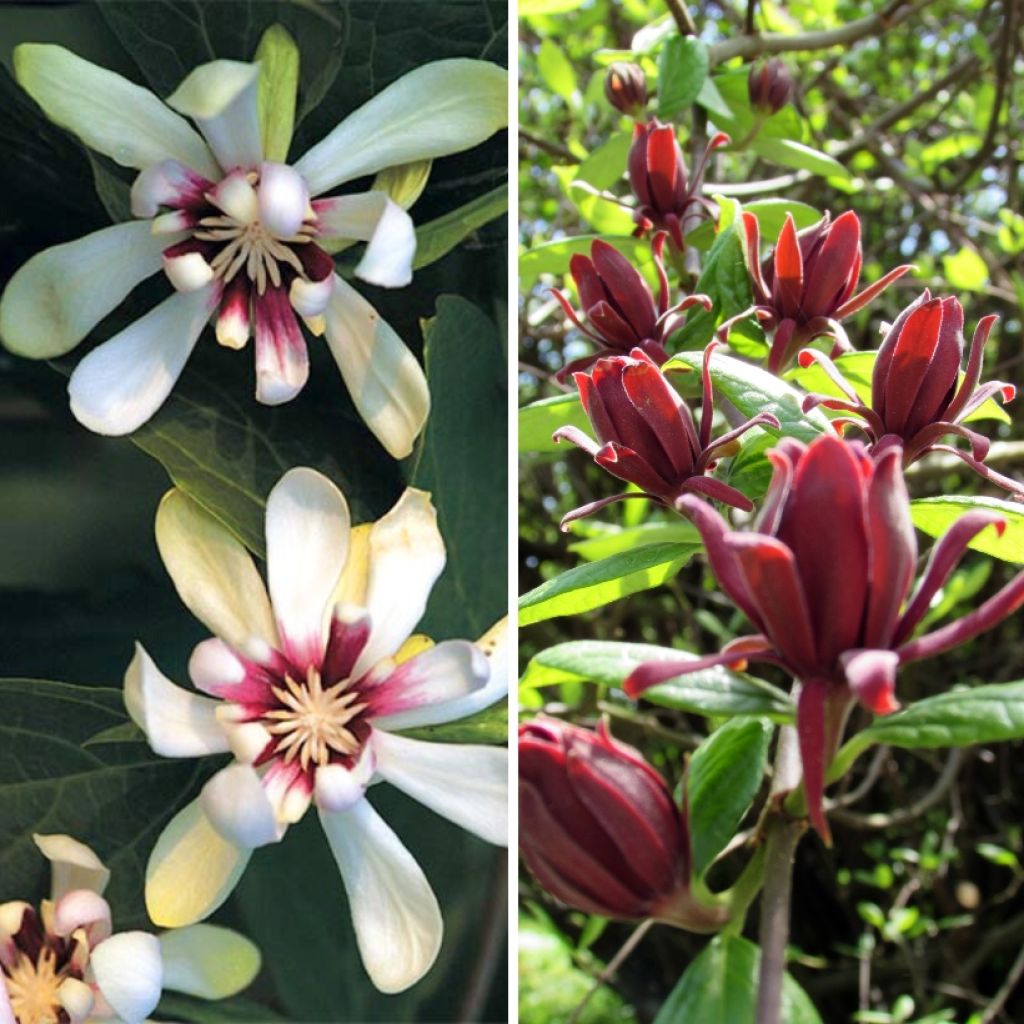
{"x": 658, "y": 176}
{"x": 599, "y": 829}
{"x": 769, "y": 86}
{"x": 620, "y": 310}
{"x": 626, "y": 88}
{"x": 917, "y": 398}
{"x": 646, "y": 434}
{"x": 806, "y": 287}
{"x": 826, "y": 580}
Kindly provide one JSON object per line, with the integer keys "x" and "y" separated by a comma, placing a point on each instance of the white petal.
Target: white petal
{"x": 82, "y": 908}
{"x": 221, "y": 98}
{"x": 338, "y": 788}
{"x": 213, "y": 664}
{"x": 176, "y": 723}
{"x": 129, "y": 974}
{"x": 73, "y": 865}
{"x": 284, "y": 199}
{"x": 386, "y": 382}
{"x": 234, "y": 196}
{"x": 207, "y": 961}
{"x": 247, "y": 739}
{"x": 107, "y": 112}
{"x": 307, "y": 526}
{"x": 62, "y": 293}
{"x": 191, "y": 871}
{"x": 215, "y": 576}
{"x": 236, "y": 804}
{"x": 6, "y": 1011}
{"x": 77, "y": 998}
{"x": 395, "y": 914}
{"x": 463, "y": 783}
{"x": 188, "y": 272}
{"x": 494, "y": 644}
{"x": 406, "y": 557}
{"x": 310, "y": 298}
{"x": 442, "y": 107}
{"x": 373, "y": 217}
{"x": 120, "y": 385}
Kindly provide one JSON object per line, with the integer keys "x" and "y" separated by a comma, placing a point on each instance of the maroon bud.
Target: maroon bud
{"x": 626, "y": 88}
{"x": 770, "y": 87}
{"x": 599, "y": 828}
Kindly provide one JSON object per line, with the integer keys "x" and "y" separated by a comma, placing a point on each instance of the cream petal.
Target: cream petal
{"x": 405, "y": 559}
{"x": 307, "y": 527}
{"x": 375, "y": 218}
{"x": 73, "y": 865}
{"x": 386, "y": 382}
{"x": 442, "y": 107}
{"x": 75, "y": 996}
{"x": 395, "y": 914}
{"x": 188, "y": 272}
{"x": 464, "y": 783}
{"x": 215, "y": 576}
{"x": 283, "y": 199}
{"x": 221, "y": 97}
{"x": 191, "y": 871}
{"x": 61, "y": 294}
{"x": 207, "y": 961}
{"x": 338, "y": 788}
{"x": 120, "y": 385}
{"x": 129, "y": 974}
{"x": 237, "y": 806}
{"x": 176, "y": 723}
{"x": 107, "y": 112}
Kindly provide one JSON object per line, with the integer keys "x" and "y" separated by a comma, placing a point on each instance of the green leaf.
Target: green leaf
{"x": 965, "y": 270}
{"x": 553, "y": 257}
{"x": 606, "y": 164}
{"x": 722, "y": 779}
{"x": 720, "y": 987}
{"x": 710, "y": 692}
{"x": 487, "y": 726}
{"x": 238, "y": 1010}
{"x": 599, "y": 583}
{"x": 771, "y": 215}
{"x": 438, "y": 237}
{"x": 539, "y": 420}
{"x": 796, "y": 154}
{"x": 612, "y": 540}
{"x": 528, "y": 7}
{"x": 682, "y": 68}
{"x": 753, "y": 390}
{"x": 278, "y": 57}
{"x": 556, "y": 69}
{"x": 934, "y": 516}
{"x": 462, "y": 463}
{"x": 712, "y": 100}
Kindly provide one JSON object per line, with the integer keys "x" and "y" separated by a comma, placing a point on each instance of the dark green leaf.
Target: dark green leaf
{"x": 438, "y": 237}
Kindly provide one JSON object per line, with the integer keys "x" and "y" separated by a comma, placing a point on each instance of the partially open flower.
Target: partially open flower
{"x": 237, "y": 234}
{"x": 309, "y": 689}
{"x": 769, "y": 86}
{"x": 64, "y": 964}
{"x": 600, "y": 831}
{"x": 806, "y": 287}
{"x": 826, "y": 580}
{"x": 626, "y": 88}
{"x": 917, "y": 397}
{"x": 647, "y": 436}
{"x": 660, "y": 182}
{"x": 620, "y": 310}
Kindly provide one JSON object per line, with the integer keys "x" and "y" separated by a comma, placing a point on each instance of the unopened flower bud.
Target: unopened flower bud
{"x": 626, "y": 88}
{"x": 770, "y": 87}
{"x": 599, "y": 828}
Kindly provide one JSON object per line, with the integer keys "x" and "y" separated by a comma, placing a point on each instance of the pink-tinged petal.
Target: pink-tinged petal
{"x": 339, "y": 788}
{"x": 788, "y": 279}
{"x": 219, "y": 671}
{"x": 176, "y": 723}
{"x": 120, "y": 385}
{"x": 771, "y": 576}
{"x": 394, "y": 912}
{"x": 283, "y": 199}
{"x": 892, "y": 549}
{"x": 833, "y": 268}
{"x": 464, "y": 783}
{"x": 716, "y": 490}
{"x": 289, "y": 790}
{"x": 871, "y": 675}
{"x": 654, "y": 672}
{"x": 168, "y": 184}
{"x": 349, "y": 634}
{"x": 233, "y": 319}
{"x": 866, "y": 295}
{"x": 282, "y": 361}
{"x": 945, "y": 555}
{"x": 129, "y": 974}
{"x": 82, "y": 908}
{"x": 236, "y": 805}
{"x": 307, "y": 531}
{"x": 451, "y": 669}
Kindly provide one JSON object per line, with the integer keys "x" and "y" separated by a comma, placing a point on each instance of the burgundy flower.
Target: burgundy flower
{"x": 647, "y": 436}
{"x": 626, "y": 88}
{"x": 598, "y": 828}
{"x": 916, "y": 395}
{"x": 658, "y": 177}
{"x": 807, "y": 286}
{"x": 825, "y": 579}
{"x": 769, "y": 86}
{"x": 620, "y": 309}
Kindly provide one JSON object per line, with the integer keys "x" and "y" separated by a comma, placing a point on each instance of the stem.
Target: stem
{"x": 742, "y": 894}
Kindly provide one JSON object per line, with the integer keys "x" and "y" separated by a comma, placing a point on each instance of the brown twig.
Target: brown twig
{"x": 612, "y": 966}
{"x": 682, "y": 17}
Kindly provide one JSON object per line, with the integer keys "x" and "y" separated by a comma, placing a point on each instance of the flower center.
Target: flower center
{"x": 312, "y": 722}
{"x": 32, "y": 986}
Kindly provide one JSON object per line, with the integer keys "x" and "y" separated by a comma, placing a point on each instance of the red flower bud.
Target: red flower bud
{"x": 626, "y": 88}
{"x": 598, "y": 828}
{"x": 646, "y": 434}
{"x": 770, "y": 87}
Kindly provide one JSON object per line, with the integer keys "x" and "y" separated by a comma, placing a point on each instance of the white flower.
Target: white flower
{"x": 236, "y": 234}
{"x": 64, "y": 962}
{"x": 309, "y": 685}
